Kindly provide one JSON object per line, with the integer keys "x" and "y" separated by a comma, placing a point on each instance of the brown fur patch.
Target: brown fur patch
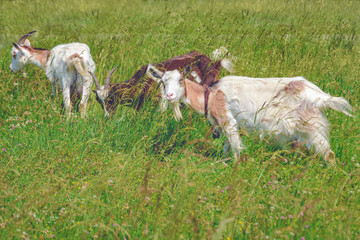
{"x": 42, "y": 57}
{"x": 75, "y": 55}
{"x": 218, "y": 107}
{"x": 295, "y": 87}
{"x": 195, "y": 93}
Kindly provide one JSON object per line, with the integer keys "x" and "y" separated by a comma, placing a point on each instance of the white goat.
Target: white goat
{"x": 287, "y": 108}
{"x": 66, "y": 65}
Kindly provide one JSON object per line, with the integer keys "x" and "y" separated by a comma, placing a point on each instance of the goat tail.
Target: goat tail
{"x": 79, "y": 66}
{"x": 322, "y": 100}
{"x": 339, "y": 104}
{"x": 77, "y": 62}
{"x": 227, "y": 64}
{"x": 223, "y": 55}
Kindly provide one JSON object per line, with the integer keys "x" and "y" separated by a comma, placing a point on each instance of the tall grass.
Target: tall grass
{"x": 142, "y": 175}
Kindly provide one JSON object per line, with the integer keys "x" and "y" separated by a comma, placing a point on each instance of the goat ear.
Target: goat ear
{"x": 27, "y": 42}
{"x": 154, "y": 73}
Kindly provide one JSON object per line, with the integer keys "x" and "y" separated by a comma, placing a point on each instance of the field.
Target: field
{"x": 143, "y": 175}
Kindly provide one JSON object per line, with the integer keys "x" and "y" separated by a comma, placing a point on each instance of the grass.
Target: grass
{"x": 142, "y": 175}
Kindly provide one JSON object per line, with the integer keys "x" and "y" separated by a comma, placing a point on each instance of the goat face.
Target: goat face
{"x": 102, "y": 93}
{"x": 102, "y": 98}
{"x": 20, "y": 57}
{"x": 172, "y": 81}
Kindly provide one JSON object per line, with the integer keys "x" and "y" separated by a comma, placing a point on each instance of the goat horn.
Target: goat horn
{"x": 107, "y": 80}
{"x": 95, "y": 80}
{"x": 23, "y": 38}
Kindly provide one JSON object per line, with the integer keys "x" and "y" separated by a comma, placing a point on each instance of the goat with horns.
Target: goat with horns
{"x": 134, "y": 91}
{"x": 66, "y": 66}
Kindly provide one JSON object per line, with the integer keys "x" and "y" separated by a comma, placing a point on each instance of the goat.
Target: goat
{"x": 287, "y": 108}
{"x": 66, "y": 66}
{"x": 134, "y": 91}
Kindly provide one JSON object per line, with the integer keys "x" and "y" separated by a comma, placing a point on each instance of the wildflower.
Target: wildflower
{"x": 302, "y": 238}
{"x": 290, "y": 216}
{"x": 115, "y": 225}
{"x": 269, "y": 183}
{"x": 19, "y": 144}
{"x": 205, "y": 198}
{"x": 282, "y": 217}
{"x": 222, "y": 190}
{"x": 301, "y": 213}
{"x": 264, "y": 186}
{"x": 4, "y": 150}
{"x": 227, "y": 188}
{"x": 307, "y": 226}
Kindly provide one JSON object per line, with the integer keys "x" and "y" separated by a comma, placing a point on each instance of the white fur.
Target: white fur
{"x": 196, "y": 76}
{"x": 223, "y": 55}
{"x": 61, "y": 72}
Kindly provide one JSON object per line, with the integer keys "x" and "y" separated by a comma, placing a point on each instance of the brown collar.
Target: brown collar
{"x": 206, "y": 99}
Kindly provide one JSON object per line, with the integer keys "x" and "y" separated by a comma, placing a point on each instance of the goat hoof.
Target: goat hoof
{"x": 243, "y": 157}
{"x": 215, "y": 134}
{"x": 330, "y": 157}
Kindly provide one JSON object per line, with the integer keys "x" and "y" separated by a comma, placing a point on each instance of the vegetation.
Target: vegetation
{"x": 142, "y": 175}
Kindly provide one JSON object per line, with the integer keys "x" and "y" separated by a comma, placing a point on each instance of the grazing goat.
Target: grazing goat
{"x": 287, "y": 108}
{"x": 66, "y": 65}
{"x": 134, "y": 91}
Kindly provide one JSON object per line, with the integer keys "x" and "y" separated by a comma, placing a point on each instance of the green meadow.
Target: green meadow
{"x": 143, "y": 175}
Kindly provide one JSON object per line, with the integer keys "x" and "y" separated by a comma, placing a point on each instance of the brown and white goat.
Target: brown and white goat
{"x": 288, "y": 108}
{"x": 66, "y": 66}
{"x": 134, "y": 91}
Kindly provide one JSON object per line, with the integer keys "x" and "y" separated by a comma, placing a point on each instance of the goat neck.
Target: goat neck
{"x": 39, "y": 56}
